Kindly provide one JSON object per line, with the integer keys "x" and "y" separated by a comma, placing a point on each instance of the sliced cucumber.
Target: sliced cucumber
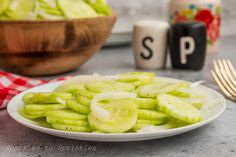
{"x": 52, "y": 4}
{"x": 45, "y": 97}
{"x": 100, "y": 112}
{"x": 85, "y": 79}
{"x": 135, "y": 76}
{"x": 151, "y": 115}
{"x": 83, "y": 100}
{"x": 66, "y": 115}
{"x": 87, "y": 94}
{"x": 70, "y": 88}
{"x": 46, "y": 107}
{"x": 178, "y": 109}
{"x": 75, "y": 106}
{"x": 28, "y": 116}
{"x": 4, "y": 5}
{"x": 196, "y": 102}
{"x": 4, "y": 17}
{"x": 67, "y": 122}
{"x": 152, "y": 90}
{"x": 20, "y": 9}
{"x": 144, "y": 123}
{"x": 71, "y": 128}
{"x": 123, "y": 117}
{"x": 181, "y": 92}
{"x": 54, "y": 12}
{"x": 47, "y": 16}
{"x": 153, "y": 122}
{"x": 39, "y": 114}
{"x": 188, "y": 93}
{"x": 100, "y": 6}
{"x": 76, "y": 9}
{"x": 109, "y": 86}
{"x": 146, "y": 103}
{"x": 143, "y": 103}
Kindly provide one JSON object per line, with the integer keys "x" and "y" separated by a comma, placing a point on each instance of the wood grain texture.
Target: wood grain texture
{"x": 51, "y": 47}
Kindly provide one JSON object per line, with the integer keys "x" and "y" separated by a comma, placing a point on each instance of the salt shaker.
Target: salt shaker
{"x": 150, "y": 43}
{"x": 188, "y": 41}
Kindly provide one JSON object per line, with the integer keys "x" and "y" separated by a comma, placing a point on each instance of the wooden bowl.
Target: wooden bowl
{"x": 51, "y": 47}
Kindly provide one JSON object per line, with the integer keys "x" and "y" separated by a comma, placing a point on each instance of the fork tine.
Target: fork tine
{"x": 223, "y": 79}
{"x": 222, "y": 87}
{"x": 229, "y": 72}
{"x": 230, "y": 65}
{"x": 226, "y": 76}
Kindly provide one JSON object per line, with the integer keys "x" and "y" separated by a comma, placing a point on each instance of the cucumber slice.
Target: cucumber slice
{"x": 83, "y": 100}
{"x": 196, "y": 102}
{"x": 181, "y": 92}
{"x": 146, "y": 103}
{"x": 137, "y": 78}
{"x": 66, "y": 115}
{"x": 24, "y": 114}
{"x": 37, "y": 107}
{"x": 20, "y": 9}
{"x": 50, "y": 7}
{"x": 151, "y": 115}
{"x": 108, "y": 86}
{"x": 48, "y": 3}
{"x": 70, "y": 88}
{"x": 188, "y": 93}
{"x": 45, "y": 97}
{"x": 143, "y": 103}
{"x": 76, "y": 9}
{"x": 152, "y": 90}
{"x": 47, "y": 16}
{"x": 71, "y": 128}
{"x": 39, "y": 114}
{"x": 100, "y": 112}
{"x": 85, "y": 79}
{"x": 75, "y": 106}
{"x": 123, "y": 116}
{"x": 54, "y": 12}
{"x": 42, "y": 122}
{"x": 178, "y": 109}
{"x": 100, "y": 6}
{"x": 87, "y": 94}
{"x": 151, "y": 122}
{"x": 4, "y": 5}
{"x": 4, "y": 17}
{"x": 144, "y": 123}
{"x": 159, "y": 128}
{"x": 67, "y": 122}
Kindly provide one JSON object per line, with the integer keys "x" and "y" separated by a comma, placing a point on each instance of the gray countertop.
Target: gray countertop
{"x": 217, "y": 139}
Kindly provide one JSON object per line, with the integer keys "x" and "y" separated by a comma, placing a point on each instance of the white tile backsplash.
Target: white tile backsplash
{"x": 157, "y": 9}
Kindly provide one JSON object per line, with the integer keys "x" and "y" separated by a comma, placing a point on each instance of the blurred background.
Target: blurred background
{"x": 132, "y": 10}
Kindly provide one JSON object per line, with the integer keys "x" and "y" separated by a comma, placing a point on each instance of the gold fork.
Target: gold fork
{"x": 225, "y": 76}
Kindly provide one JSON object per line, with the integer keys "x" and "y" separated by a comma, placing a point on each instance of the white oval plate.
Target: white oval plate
{"x": 215, "y": 106}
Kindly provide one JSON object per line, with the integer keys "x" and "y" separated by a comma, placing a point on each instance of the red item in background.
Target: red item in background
{"x": 205, "y": 16}
{"x": 11, "y": 85}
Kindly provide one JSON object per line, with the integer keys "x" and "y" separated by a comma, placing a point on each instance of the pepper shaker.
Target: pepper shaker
{"x": 206, "y": 11}
{"x": 187, "y": 42}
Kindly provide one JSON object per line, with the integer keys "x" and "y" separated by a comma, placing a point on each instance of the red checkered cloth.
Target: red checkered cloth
{"x": 11, "y": 85}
